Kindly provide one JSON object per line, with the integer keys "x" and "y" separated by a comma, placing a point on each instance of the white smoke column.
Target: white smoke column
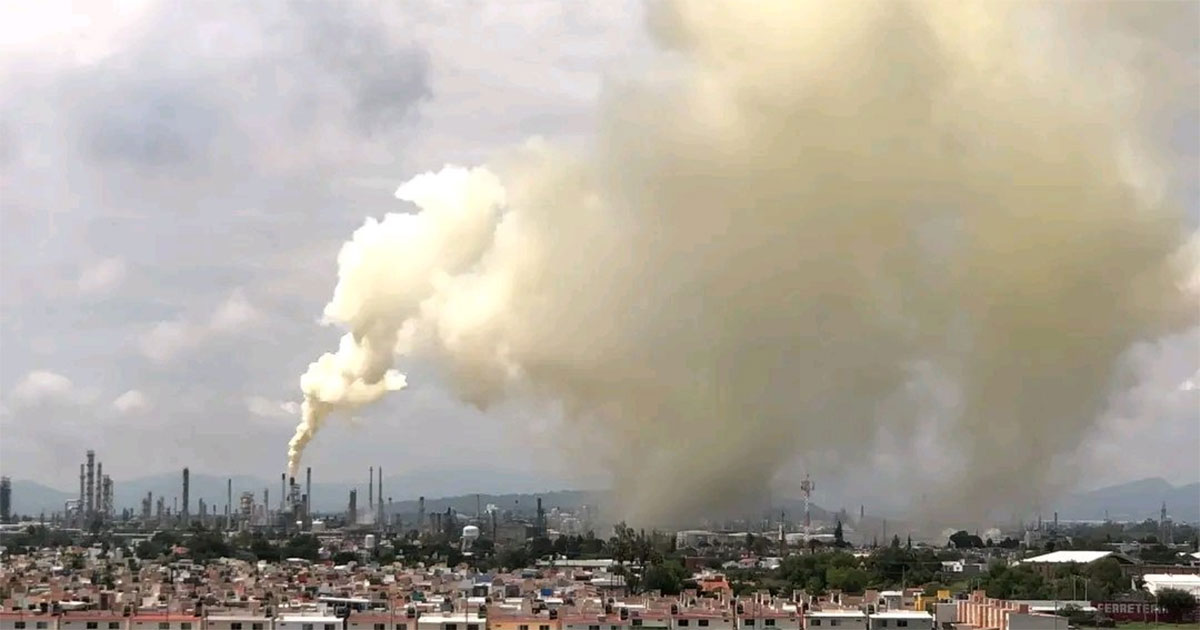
{"x": 406, "y": 253}
{"x": 803, "y": 201}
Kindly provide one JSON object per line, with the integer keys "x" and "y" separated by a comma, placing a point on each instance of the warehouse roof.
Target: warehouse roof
{"x": 1079, "y": 557}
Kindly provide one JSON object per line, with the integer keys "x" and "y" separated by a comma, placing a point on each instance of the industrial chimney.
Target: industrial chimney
{"x": 91, "y": 484}
{"x": 379, "y": 511}
{"x": 79, "y": 509}
{"x": 184, "y": 515}
{"x": 371, "y": 488}
{"x": 352, "y": 515}
{"x": 308, "y": 497}
{"x": 98, "y": 499}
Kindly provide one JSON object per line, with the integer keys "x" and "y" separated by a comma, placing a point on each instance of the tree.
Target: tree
{"x": 848, "y": 579}
{"x": 540, "y": 547}
{"x": 961, "y": 539}
{"x": 344, "y": 557}
{"x": 1178, "y": 604}
{"x": 895, "y": 541}
{"x": 302, "y": 546}
{"x": 149, "y": 550}
{"x": 1106, "y": 575}
{"x": 206, "y": 545}
{"x": 839, "y": 539}
{"x": 667, "y": 578}
{"x": 513, "y": 558}
{"x": 263, "y": 549}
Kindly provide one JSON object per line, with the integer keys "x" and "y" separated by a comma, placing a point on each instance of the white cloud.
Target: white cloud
{"x": 267, "y": 408}
{"x": 101, "y": 276}
{"x": 167, "y": 340}
{"x": 131, "y": 402}
{"x": 234, "y": 314}
{"x": 42, "y": 386}
{"x": 1152, "y": 428}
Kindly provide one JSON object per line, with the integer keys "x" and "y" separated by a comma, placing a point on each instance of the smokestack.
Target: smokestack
{"x": 421, "y": 514}
{"x": 308, "y": 494}
{"x": 91, "y": 484}
{"x": 352, "y": 514}
{"x": 282, "y": 490}
{"x": 379, "y": 503}
{"x": 106, "y": 495}
{"x": 228, "y": 502}
{"x": 371, "y": 487}
{"x": 98, "y": 500}
{"x": 186, "y": 489}
{"x": 81, "y": 492}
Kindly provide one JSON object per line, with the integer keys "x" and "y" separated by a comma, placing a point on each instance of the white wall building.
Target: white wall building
{"x": 902, "y": 619}
{"x": 451, "y": 621}
{"x": 840, "y": 619}
{"x": 237, "y": 622}
{"x": 307, "y": 622}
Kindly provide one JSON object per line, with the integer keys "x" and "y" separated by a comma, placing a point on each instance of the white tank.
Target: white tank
{"x": 470, "y": 532}
{"x": 369, "y": 543}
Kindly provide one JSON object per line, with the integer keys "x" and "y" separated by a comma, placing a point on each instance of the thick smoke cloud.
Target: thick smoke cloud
{"x": 801, "y": 215}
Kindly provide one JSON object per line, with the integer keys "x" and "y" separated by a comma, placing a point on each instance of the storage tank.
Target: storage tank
{"x": 369, "y": 543}
{"x": 470, "y": 534}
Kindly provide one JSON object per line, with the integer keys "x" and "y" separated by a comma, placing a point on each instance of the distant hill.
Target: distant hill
{"x": 1134, "y": 501}
{"x": 33, "y": 498}
{"x": 1137, "y": 500}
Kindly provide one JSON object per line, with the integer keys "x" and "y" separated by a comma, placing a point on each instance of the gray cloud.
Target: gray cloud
{"x": 212, "y": 146}
{"x": 191, "y": 151}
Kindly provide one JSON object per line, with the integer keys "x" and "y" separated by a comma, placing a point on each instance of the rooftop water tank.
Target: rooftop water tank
{"x": 470, "y": 532}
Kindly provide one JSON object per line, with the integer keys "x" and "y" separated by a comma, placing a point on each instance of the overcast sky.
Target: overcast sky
{"x": 176, "y": 181}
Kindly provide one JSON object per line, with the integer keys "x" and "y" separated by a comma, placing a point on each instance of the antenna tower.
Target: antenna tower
{"x": 807, "y": 486}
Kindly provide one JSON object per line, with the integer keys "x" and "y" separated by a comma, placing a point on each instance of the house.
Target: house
{"x": 237, "y": 622}
{"x": 902, "y": 619}
{"x": 27, "y": 621}
{"x": 842, "y": 619}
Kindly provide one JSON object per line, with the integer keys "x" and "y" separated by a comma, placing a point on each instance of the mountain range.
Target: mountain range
{"x": 1135, "y": 500}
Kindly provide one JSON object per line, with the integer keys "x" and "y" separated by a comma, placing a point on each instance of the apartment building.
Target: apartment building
{"x": 836, "y": 618}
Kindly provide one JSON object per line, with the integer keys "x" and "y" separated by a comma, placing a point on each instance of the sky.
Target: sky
{"x": 176, "y": 181}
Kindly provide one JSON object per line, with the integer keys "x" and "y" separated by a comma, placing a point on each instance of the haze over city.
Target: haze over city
{"x": 177, "y": 183}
